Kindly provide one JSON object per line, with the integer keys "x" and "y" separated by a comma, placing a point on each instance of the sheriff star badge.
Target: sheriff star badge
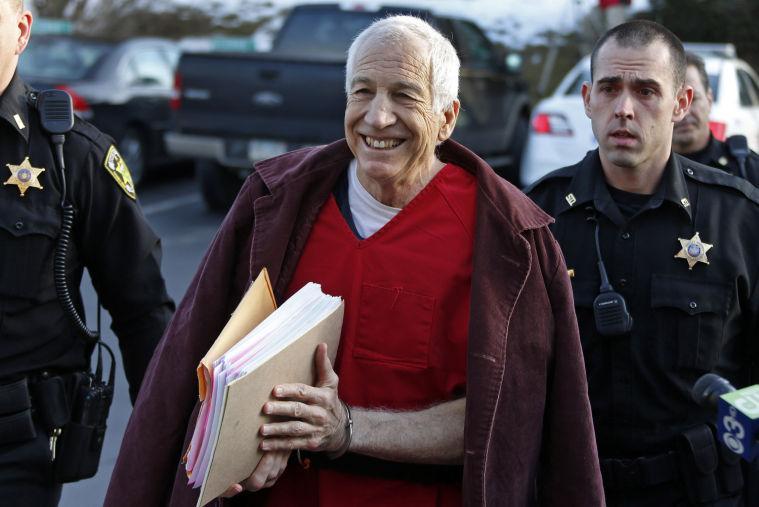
{"x": 24, "y": 176}
{"x": 693, "y": 250}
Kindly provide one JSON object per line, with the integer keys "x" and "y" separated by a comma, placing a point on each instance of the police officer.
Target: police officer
{"x": 677, "y": 294}
{"x": 693, "y": 138}
{"x": 109, "y": 237}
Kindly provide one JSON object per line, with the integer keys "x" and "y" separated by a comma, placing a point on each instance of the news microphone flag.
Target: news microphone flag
{"x": 738, "y": 421}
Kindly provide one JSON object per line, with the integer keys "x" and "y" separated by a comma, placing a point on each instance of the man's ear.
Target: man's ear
{"x": 450, "y": 116}
{"x": 586, "y": 87}
{"x": 683, "y": 101}
{"x": 24, "y": 31}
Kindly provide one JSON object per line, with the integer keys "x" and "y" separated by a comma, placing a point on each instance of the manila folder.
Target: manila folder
{"x": 237, "y": 452}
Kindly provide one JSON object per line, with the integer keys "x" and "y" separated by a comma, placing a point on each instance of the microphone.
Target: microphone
{"x": 737, "y": 413}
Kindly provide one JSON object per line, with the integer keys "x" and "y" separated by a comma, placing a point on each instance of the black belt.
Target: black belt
{"x": 636, "y": 473}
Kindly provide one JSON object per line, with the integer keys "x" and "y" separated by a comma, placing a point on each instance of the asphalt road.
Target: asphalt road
{"x": 175, "y": 209}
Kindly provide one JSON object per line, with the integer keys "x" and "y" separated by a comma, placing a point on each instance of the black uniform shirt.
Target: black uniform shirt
{"x": 686, "y": 321}
{"x": 110, "y": 238}
{"x": 717, "y": 154}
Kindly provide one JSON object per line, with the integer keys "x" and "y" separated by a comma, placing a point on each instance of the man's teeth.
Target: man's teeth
{"x": 381, "y": 144}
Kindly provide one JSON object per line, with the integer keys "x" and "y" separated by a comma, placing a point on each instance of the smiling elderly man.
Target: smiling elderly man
{"x": 459, "y": 357}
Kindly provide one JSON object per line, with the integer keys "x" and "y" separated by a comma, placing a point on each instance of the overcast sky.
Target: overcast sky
{"x": 520, "y": 18}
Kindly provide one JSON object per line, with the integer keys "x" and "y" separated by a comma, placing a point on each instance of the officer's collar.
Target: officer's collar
{"x": 14, "y": 107}
{"x": 709, "y": 154}
{"x": 588, "y": 187}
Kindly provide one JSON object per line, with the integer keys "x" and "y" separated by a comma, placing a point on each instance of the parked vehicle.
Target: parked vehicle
{"x": 122, "y": 88}
{"x": 561, "y": 134}
{"x": 235, "y": 109}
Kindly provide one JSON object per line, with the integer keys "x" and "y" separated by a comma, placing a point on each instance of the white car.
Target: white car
{"x": 561, "y": 135}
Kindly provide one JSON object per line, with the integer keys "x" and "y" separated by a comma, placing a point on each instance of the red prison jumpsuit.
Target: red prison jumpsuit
{"x": 403, "y": 344}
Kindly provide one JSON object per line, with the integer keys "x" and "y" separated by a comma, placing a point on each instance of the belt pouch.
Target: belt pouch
{"x": 730, "y": 473}
{"x": 14, "y": 397}
{"x": 17, "y": 427}
{"x": 51, "y": 403}
{"x": 698, "y": 463}
{"x": 16, "y": 424}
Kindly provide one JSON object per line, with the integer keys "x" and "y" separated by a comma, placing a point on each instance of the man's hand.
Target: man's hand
{"x": 269, "y": 469}
{"x": 316, "y": 416}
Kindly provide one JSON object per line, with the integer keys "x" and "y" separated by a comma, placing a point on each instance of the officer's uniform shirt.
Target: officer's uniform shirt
{"x": 717, "y": 154}
{"x": 110, "y": 238}
{"x": 686, "y": 321}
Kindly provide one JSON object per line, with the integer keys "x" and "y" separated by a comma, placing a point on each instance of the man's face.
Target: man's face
{"x": 14, "y": 32}
{"x": 390, "y": 125}
{"x": 692, "y": 133}
{"x": 632, "y": 104}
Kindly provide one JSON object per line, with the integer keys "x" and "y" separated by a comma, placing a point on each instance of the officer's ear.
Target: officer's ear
{"x": 586, "y": 88}
{"x": 24, "y": 26}
{"x": 683, "y": 100}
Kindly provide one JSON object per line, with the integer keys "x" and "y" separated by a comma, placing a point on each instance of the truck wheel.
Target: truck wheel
{"x": 218, "y": 185}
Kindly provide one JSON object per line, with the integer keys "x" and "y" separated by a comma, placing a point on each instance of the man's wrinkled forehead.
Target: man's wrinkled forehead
{"x": 405, "y": 57}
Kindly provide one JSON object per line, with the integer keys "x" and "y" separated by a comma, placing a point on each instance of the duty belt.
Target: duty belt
{"x": 636, "y": 473}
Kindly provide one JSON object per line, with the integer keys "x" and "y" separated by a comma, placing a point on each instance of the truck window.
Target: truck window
{"x": 316, "y": 33}
{"x": 475, "y": 49}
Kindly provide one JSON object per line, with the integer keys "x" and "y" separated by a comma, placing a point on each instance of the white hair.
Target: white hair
{"x": 443, "y": 60}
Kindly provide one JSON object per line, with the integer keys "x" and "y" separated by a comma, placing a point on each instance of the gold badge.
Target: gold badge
{"x": 24, "y": 176}
{"x": 117, "y": 168}
{"x": 693, "y": 250}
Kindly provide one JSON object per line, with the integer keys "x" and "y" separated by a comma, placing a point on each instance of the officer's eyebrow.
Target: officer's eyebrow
{"x": 637, "y": 82}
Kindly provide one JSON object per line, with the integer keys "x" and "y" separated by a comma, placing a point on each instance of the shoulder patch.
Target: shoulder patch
{"x": 717, "y": 177}
{"x": 117, "y": 168}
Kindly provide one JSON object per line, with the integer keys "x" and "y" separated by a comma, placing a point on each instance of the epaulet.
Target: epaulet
{"x": 716, "y": 177}
{"x": 558, "y": 174}
{"x": 89, "y": 131}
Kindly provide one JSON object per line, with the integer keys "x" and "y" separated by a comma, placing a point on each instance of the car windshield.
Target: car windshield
{"x": 575, "y": 88}
{"x": 60, "y": 58}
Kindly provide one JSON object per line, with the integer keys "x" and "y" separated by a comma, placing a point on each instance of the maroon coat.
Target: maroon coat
{"x": 528, "y": 433}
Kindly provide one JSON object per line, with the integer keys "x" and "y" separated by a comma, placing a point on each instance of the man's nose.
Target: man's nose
{"x": 380, "y": 113}
{"x": 624, "y": 106}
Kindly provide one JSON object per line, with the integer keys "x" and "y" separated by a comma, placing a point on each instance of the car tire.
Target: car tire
{"x": 219, "y": 185}
{"x": 134, "y": 149}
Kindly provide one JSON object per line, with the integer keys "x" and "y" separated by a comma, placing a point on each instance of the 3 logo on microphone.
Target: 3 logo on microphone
{"x": 738, "y": 421}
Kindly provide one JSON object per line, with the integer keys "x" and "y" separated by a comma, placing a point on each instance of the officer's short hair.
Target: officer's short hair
{"x": 641, "y": 33}
{"x": 695, "y": 61}
{"x": 443, "y": 60}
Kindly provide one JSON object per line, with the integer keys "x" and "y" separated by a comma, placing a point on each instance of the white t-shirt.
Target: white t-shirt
{"x": 369, "y": 215}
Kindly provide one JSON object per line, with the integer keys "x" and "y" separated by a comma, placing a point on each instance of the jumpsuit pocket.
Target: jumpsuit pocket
{"x": 394, "y": 326}
{"x": 27, "y": 246}
{"x": 701, "y": 307}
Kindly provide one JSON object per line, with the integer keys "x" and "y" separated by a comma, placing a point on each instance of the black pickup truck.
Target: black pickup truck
{"x": 234, "y": 109}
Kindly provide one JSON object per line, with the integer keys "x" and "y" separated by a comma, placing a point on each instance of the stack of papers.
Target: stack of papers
{"x": 235, "y": 384}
